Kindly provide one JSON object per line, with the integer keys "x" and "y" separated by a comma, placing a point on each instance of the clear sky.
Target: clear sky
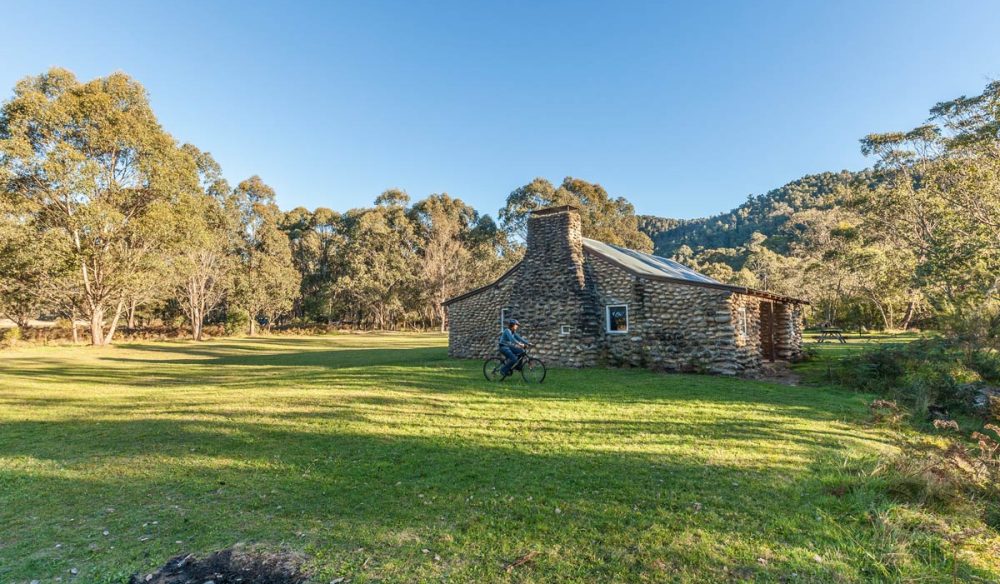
{"x": 683, "y": 108}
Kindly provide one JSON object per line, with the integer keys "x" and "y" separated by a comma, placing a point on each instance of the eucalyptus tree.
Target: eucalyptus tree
{"x": 444, "y": 227}
{"x": 937, "y": 193}
{"x": 203, "y": 264}
{"x": 100, "y": 174}
{"x": 265, "y": 282}
{"x": 316, "y": 238}
{"x": 379, "y": 265}
{"x": 612, "y": 220}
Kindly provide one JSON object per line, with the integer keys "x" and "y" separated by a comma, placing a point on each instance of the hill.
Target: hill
{"x": 766, "y": 214}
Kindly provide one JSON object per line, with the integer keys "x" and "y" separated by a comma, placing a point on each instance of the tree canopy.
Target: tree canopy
{"x": 612, "y": 220}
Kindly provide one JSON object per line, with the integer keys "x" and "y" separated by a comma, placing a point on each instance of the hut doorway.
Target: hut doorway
{"x": 767, "y": 329}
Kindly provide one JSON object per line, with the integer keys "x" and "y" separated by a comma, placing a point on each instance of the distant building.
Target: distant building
{"x": 585, "y": 303}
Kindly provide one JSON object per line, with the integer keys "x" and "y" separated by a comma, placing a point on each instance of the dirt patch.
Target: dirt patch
{"x": 237, "y": 564}
{"x": 776, "y": 372}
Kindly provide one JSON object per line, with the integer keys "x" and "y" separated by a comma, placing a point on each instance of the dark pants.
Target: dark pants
{"x": 511, "y": 353}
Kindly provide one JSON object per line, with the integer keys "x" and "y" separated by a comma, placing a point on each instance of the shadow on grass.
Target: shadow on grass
{"x": 212, "y": 484}
{"x": 441, "y": 459}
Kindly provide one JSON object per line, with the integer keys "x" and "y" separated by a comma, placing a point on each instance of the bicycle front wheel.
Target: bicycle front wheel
{"x": 533, "y": 371}
{"x": 491, "y": 369}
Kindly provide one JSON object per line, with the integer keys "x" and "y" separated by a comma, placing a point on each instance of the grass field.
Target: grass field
{"x": 385, "y": 461}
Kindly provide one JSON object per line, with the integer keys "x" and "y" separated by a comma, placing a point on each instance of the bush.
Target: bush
{"x": 986, "y": 363}
{"x": 10, "y": 337}
{"x": 931, "y": 374}
{"x": 237, "y": 322}
{"x": 945, "y": 383}
{"x": 876, "y": 370}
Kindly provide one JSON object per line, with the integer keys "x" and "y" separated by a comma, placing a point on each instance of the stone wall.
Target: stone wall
{"x": 788, "y": 327}
{"x": 675, "y": 327}
{"x": 474, "y": 320}
{"x": 745, "y": 314}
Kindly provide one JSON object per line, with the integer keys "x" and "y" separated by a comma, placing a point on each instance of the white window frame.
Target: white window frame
{"x": 565, "y": 330}
{"x": 607, "y": 319}
{"x": 744, "y": 323}
{"x": 503, "y": 317}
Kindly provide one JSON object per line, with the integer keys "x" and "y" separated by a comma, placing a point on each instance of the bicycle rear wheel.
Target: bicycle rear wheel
{"x": 491, "y": 369}
{"x": 533, "y": 371}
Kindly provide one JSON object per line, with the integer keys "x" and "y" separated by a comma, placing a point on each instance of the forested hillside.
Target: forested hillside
{"x": 767, "y": 214}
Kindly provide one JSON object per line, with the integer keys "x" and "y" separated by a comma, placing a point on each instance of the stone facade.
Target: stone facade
{"x": 789, "y": 324}
{"x": 560, "y": 292}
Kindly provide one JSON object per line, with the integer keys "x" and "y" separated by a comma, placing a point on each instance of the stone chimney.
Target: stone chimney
{"x": 552, "y": 298}
{"x": 555, "y": 238}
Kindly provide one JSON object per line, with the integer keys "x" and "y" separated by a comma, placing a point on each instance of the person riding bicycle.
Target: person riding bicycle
{"x": 512, "y": 345}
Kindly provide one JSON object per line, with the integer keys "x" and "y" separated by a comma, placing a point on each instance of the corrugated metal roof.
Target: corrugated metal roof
{"x": 647, "y": 264}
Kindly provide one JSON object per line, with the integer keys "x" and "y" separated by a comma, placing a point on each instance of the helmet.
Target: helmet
{"x": 512, "y": 322}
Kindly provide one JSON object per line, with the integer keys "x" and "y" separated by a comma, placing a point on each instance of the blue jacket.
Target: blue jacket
{"x": 509, "y": 338}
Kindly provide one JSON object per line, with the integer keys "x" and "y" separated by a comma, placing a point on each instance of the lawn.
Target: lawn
{"x": 386, "y": 461}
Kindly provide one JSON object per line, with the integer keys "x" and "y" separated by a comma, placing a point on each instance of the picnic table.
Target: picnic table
{"x": 831, "y": 334}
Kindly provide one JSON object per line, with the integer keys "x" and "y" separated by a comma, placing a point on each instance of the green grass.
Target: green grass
{"x": 386, "y": 461}
{"x": 829, "y": 355}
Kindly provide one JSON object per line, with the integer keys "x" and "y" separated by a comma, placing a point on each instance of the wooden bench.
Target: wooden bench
{"x": 831, "y": 334}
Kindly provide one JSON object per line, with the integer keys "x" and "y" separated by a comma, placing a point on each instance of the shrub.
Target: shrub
{"x": 237, "y": 322}
{"x": 986, "y": 363}
{"x": 932, "y": 374}
{"x": 875, "y": 370}
{"x": 945, "y": 383}
{"x": 10, "y": 337}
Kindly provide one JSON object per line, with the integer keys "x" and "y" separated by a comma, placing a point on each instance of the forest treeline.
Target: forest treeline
{"x": 105, "y": 217}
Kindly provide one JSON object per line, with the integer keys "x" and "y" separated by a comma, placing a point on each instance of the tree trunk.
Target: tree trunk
{"x": 97, "y": 326}
{"x": 196, "y": 320}
{"x": 908, "y": 316}
{"x": 881, "y": 311}
{"x": 114, "y": 322}
{"x": 131, "y": 313}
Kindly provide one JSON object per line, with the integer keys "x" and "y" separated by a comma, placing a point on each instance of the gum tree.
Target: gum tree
{"x": 98, "y": 171}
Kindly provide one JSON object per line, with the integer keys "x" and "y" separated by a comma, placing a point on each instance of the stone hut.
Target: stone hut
{"x": 585, "y": 303}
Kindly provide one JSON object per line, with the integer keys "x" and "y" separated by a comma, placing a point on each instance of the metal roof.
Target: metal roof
{"x": 646, "y": 264}
{"x": 650, "y": 266}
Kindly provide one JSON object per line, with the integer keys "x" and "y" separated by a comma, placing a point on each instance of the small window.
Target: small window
{"x": 617, "y": 318}
{"x": 565, "y": 330}
{"x": 742, "y": 322}
{"x": 503, "y": 318}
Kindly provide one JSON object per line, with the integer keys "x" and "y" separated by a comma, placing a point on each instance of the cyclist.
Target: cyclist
{"x": 511, "y": 345}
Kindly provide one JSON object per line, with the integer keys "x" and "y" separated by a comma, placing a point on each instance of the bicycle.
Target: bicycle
{"x": 532, "y": 368}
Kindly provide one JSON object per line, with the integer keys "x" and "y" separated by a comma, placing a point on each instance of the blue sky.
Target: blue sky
{"x": 683, "y": 108}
